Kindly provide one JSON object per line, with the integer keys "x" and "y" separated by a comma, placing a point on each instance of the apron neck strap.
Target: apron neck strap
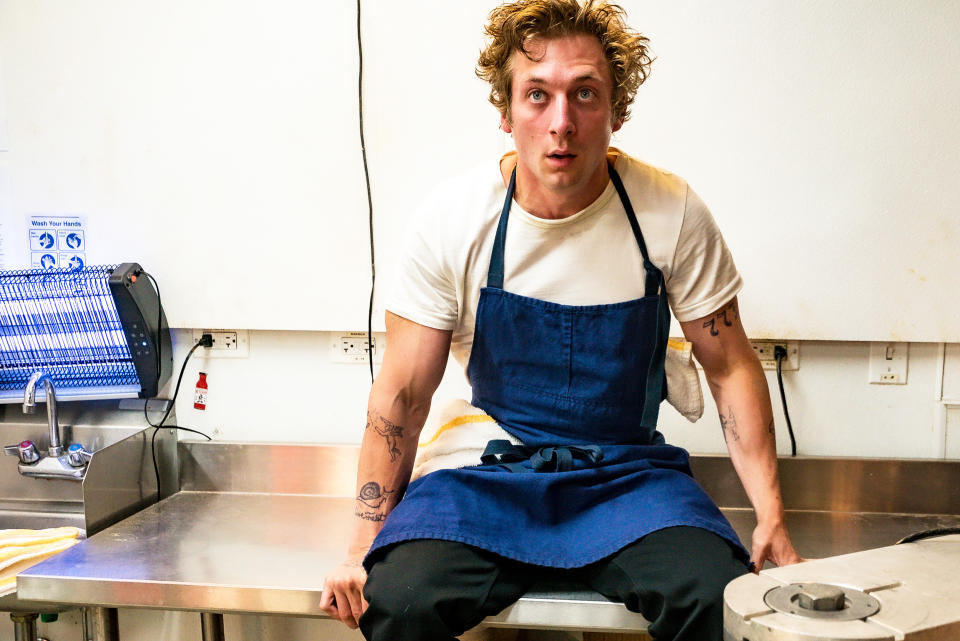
{"x": 495, "y": 273}
{"x": 654, "y": 276}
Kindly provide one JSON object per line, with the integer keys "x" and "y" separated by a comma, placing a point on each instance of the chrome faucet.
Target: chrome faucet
{"x": 55, "y": 464}
{"x": 30, "y": 407}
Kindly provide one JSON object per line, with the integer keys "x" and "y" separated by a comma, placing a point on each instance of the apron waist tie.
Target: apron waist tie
{"x": 543, "y": 459}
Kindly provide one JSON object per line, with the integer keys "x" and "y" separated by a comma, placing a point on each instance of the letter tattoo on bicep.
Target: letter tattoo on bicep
{"x": 729, "y": 425}
{"x": 388, "y": 430}
{"x": 723, "y": 318}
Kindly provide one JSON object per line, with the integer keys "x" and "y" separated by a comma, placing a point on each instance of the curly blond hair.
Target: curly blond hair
{"x": 512, "y": 25}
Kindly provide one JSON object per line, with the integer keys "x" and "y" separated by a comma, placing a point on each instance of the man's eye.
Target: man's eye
{"x": 585, "y": 94}
{"x": 536, "y": 95}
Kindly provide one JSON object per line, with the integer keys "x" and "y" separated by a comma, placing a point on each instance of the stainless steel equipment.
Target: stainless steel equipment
{"x": 901, "y": 592}
{"x": 118, "y": 478}
{"x": 85, "y": 334}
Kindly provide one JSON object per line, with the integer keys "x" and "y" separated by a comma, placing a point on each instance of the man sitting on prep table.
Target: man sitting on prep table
{"x": 551, "y": 278}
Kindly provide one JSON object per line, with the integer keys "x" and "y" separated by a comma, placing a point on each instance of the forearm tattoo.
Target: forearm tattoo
{"x": 723, "y": 318}
{"x": 388, "y": 430}
{"x": 729, "y": 425}
{"x": 370, "y": 501}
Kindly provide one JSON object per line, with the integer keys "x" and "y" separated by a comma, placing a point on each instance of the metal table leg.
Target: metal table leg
{"x": 24, "y": 625}
{"x": 211, "y": 626}
{"x": 101, "y": 624}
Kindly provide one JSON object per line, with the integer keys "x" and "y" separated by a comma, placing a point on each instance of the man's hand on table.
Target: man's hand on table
{"x": 342, "y": 596}
{"x": 771, "y": 542}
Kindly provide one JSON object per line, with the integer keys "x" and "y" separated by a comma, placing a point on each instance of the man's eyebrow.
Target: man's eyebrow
{"x": 537, "y": 80}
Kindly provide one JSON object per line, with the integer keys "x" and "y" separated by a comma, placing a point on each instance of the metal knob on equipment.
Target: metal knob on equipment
{"x": 820, "y": 596}
{"x": 78, "y": 456}
{"x": 25, "y": 450}
{"x": 822, "y": 601}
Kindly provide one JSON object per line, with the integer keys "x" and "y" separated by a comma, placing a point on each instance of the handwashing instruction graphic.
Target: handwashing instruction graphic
{"x": 57, "y": 242}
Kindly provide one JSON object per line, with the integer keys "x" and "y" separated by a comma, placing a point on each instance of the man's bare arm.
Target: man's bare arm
{"x": 743, "y": 401}
{"x": 413, "y": 365}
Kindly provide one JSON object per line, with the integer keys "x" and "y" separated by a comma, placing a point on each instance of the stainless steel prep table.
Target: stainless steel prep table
{"x": 241, "y": 551}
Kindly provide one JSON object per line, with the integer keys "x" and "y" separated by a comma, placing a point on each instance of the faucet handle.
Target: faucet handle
{"x": 26, "y": 451}
{"x": 78, "y": 456}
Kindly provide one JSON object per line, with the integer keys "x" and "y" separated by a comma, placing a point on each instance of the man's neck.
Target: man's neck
{"x": 545, "y": 203}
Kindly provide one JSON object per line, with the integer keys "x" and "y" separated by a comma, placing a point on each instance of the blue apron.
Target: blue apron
{"x": 580, "y": 386}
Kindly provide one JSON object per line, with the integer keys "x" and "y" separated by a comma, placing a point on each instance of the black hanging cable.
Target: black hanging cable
{"x": 926, "y": 534}
{"x": 205, "y": 341}
{"x": 366, "y": 175}
{"x": 157, "y": 426}
{"x": 780, "y": 354}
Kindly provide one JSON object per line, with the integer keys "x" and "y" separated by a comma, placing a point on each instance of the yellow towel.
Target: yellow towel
{"x": 21, "y": 549}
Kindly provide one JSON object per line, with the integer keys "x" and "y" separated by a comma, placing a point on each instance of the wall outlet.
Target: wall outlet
{"x": 888, "y": 363}
{"x": 353, "y": 347}
{"x": 765, "y": 352}
{"x": 232, "y": 343}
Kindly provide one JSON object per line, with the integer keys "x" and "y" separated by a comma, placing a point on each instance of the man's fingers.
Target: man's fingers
{"x": 356, "y": 607}
{"x": 344, "y": 611}
{"x": 758, "y": 559}
{"x": 326, "y": 602}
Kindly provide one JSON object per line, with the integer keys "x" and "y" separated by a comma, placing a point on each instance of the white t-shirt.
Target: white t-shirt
{"x": 589, "y": 258}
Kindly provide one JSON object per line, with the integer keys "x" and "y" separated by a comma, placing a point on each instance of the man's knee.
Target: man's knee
{"x": 432, "y": 590}
{"x": 402, "y": 591}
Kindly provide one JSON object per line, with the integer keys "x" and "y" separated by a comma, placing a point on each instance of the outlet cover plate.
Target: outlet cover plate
{"x": 888, "y": 363}
{"x": 764, "y": 349}
{"x": 227, "y": 343}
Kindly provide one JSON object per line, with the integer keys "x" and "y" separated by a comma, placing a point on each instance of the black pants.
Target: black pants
{"x": 429, "y": 590}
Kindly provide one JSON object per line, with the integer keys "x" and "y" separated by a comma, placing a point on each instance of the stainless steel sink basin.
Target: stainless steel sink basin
{"x": 119, "y": 479}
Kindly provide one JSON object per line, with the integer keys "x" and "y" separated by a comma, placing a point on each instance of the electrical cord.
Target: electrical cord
{"x": 366, "y": 174}
{"x": 205, "y": 341}
{"x": 926, "y": 534}
{"x": 779, "y": 353}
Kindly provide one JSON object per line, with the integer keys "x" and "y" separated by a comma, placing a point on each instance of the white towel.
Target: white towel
{"x": 455, "y": 435}
{"x": 683, "y": 381}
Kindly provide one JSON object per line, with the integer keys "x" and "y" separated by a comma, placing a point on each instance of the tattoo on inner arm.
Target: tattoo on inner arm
{"x": 388, "y": 430}
{"x": 371, "y": 498}
{"x": 729, "y": 425}
{"x": 723, "y": 318}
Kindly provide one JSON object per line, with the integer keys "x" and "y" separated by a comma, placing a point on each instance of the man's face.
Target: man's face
{"x": 560, "y": 115}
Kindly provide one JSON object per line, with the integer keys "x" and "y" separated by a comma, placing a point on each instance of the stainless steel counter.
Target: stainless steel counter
{"x": 260, "y": 552}
{"x": 267, "y": 553}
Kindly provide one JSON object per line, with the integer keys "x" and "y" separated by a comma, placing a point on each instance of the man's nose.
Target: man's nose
{"x": 561, "y": 118}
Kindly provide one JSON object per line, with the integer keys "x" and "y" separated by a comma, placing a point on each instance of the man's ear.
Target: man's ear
{"x": 617, "y": 124}
{"x": 505, "y": 125}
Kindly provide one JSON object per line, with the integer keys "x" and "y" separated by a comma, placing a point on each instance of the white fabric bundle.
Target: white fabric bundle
{"x": 683, "y": 381}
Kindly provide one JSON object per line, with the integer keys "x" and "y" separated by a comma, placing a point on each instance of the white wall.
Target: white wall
{"x": 288, "y": 390}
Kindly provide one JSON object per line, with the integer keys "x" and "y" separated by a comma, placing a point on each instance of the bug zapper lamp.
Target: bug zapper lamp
{"x": 98, "y": 331}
